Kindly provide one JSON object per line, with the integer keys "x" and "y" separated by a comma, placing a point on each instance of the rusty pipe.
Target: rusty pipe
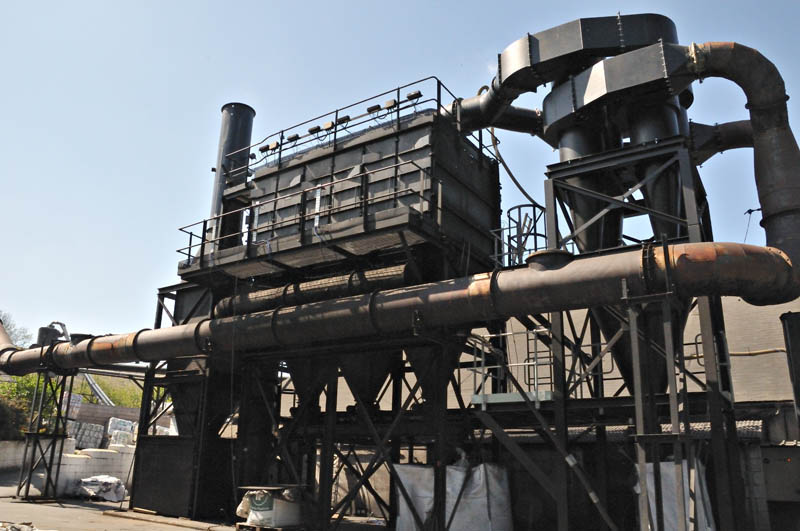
{"x": 775, "y": 151}
{"x": 6, "y": 345}
{"x": 553, "y": 281}
{"x": 315, "y": 290}
{"x": 144, "y": 345}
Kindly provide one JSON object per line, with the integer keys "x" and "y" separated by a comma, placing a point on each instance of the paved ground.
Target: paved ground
{"x": 85, "y": 515}
{"x": 80, "y": 515}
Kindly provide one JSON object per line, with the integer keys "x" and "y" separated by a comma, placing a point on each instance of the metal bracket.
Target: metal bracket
{"x": 417, "y": 324}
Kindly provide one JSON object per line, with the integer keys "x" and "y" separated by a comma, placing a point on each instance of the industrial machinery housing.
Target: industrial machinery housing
{"x": 363, "y": 252}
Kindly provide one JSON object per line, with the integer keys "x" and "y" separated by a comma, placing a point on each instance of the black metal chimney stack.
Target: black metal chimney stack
{"x": 232, "y": 164}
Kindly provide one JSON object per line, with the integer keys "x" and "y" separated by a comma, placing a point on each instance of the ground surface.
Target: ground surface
{"x": 86, "y": 515}
{"x": 80, "y": 515}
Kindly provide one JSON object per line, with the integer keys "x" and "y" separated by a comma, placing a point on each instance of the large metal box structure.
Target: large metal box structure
{"x": 328, "y": 312}
{"x": 412, "y": 182}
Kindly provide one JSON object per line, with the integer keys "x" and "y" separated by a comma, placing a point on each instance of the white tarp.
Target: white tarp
{"x": 485, "y": 501}
{"x": 106, "y": 487}
{"x": 696, "y": 500}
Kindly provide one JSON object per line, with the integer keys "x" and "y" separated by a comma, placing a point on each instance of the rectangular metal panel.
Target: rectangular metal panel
{"x": 782, "y": 473}
{"x": 163, "y": 479}
{"x": 329, "y": 197}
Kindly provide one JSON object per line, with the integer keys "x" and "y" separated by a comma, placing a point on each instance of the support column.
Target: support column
{"x": 327, "y": 453}
{"x": 559, "y": 374}
{"x": 438, "y": 403}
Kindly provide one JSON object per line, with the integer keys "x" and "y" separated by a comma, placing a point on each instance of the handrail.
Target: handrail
{"x": 186, "y": 251}
{"x": 297, "y": 140}
{"x": 323, "y": 185}
{"x": 360, "y": 102}
{"x": 273, "y": 154}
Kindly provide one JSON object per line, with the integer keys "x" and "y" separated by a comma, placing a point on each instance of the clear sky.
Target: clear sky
{"x": 111, "y": 118}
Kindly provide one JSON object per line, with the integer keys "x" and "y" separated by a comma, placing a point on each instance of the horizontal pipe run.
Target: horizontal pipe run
{"x": 554, "y": 281}
{"x": 354, "y": 283}
{"x": 708, "y": 140}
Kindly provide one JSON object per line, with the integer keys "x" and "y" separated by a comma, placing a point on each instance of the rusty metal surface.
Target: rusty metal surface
{"x": 354, "y": 283}
{"x": 776, "y": 154}
{"x": 760, "y": 275}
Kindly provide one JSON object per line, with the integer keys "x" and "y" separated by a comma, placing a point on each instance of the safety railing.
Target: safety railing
{"x": 523, "y": 232}
{"x": 530, "y": 360}
{"x": 334, "y": 127}
{"x": 200, "y": 244}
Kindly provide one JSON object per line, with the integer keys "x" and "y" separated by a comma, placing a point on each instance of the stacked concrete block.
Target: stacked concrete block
{"x": 115, "y": 461}
{"x": 11, "y": 454}
{"x": 87, "y": 435}
{"x": 117, "y": 424}
{"x": 121, "y": 437}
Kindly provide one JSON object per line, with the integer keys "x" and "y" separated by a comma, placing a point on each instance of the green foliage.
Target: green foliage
{"x": 19, "y": 335}
{"x": 20, "y": 388}
{"x": 13, "y": 417}
{"x": 15, "y": 403}
{"x": 121, "y": 391}
{"x": 17, "y": 392}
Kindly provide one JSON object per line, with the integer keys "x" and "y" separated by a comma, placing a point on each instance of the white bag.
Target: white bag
{"x": 270, "y": 508}
{"x": 485, "y": 502}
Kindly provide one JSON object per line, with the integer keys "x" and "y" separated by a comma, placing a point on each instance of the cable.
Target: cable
{"x": 749, "y": 214}
{"x": 233, "y": 403}
{"x": 503, "y": 162}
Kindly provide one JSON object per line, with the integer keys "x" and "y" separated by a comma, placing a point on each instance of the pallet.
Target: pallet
{"x": 250, "y": 527}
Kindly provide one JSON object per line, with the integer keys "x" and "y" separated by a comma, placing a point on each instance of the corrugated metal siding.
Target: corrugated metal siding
{"x": 750, "y": 328}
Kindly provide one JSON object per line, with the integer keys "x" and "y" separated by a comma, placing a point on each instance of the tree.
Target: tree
{"x": 15, "y": 395}
{"x": 19, "y": 335}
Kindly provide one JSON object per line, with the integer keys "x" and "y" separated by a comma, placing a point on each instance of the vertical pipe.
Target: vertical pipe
{"x": 653, "y": 122}
{"x": 232, "y": 160}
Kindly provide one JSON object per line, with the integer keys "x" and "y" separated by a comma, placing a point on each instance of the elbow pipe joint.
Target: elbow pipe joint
{"x": 708, "y": 140}
{"x": 6, "y": 353}
{"x": 757, "y": 76}
{"x": 493, "y": 108}
{"x": 7, "y": 349}
{"x": 759, "y": 275}
{"x": 775, "y": 151}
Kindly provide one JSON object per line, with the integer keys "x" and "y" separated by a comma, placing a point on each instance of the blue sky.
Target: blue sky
{"x": 111, "y": 118}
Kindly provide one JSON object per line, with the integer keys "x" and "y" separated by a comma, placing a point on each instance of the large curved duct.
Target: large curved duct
{"x": 775, "y": 152}
{"x": 492, "y": 110}
{"x": 553, "y": 54}
{"x": 649, "y": 69}
{"x": 554, "y": 281}
{"x": 708, "y": 140}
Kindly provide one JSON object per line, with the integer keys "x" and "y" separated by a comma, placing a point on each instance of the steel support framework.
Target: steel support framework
{"x": 649, "y": 441}
{"x": 47, "y": 429}
{"x": 157, "y": 401}
{"x": 305, "y": 446}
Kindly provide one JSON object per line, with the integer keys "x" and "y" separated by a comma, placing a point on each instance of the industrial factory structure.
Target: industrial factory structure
{"x": 357, "y": 302}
